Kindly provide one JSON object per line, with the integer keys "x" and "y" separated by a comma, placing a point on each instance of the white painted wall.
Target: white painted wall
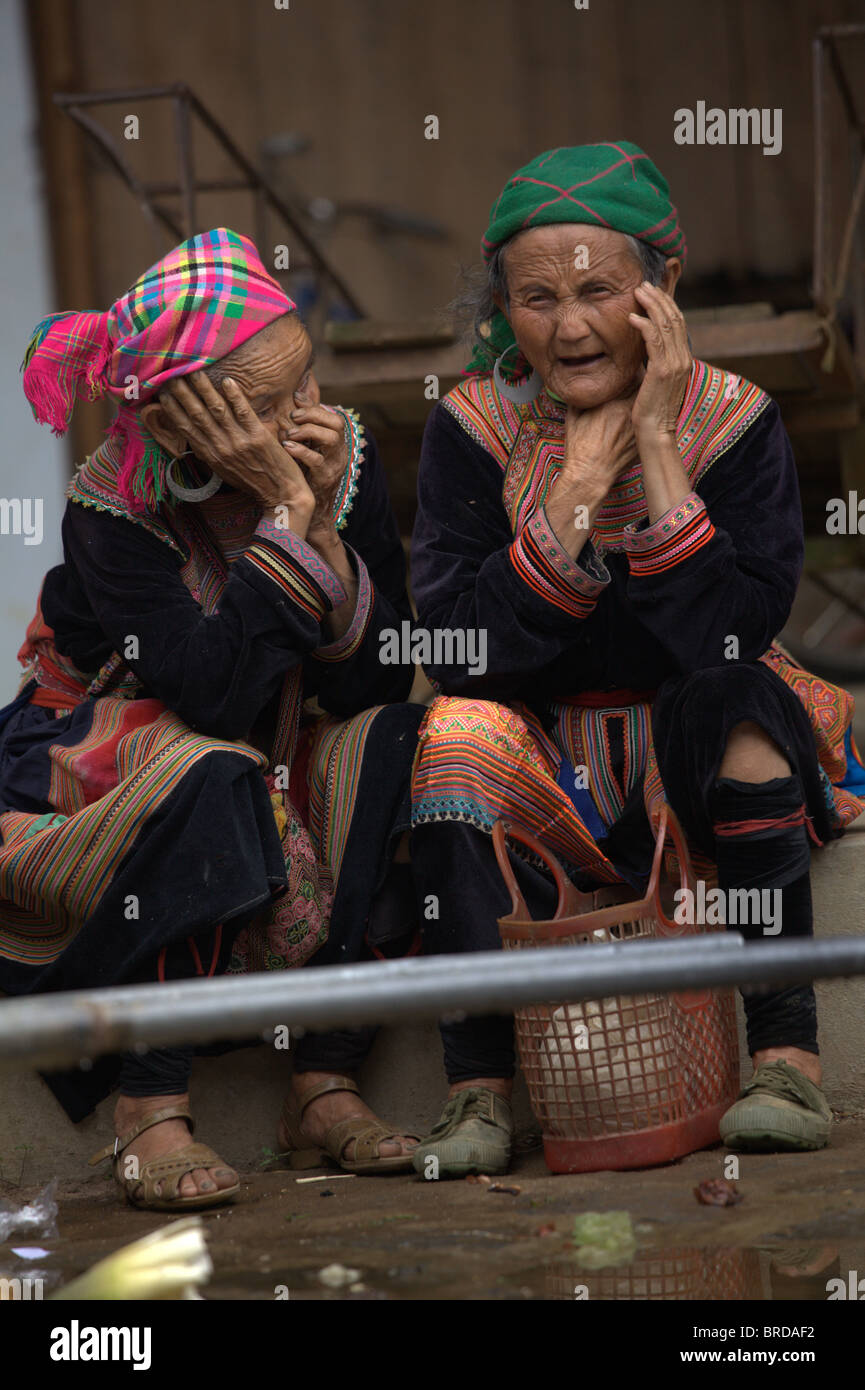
{"x": 32, "y": 461}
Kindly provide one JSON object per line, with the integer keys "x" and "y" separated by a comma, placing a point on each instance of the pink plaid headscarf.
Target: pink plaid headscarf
{"x": 201, "y": 301}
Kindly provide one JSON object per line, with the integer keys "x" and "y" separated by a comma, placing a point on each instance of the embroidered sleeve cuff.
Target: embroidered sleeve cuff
{"x": 571, "y": 585}
{"x": 680, "y": 532}
{"x": 299, "y": 569}
{"x": 346, "y": 645}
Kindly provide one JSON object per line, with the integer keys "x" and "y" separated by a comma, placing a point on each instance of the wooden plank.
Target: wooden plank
{"x": 831, "y": 552}
{"x": 731, "y": 313}
{"x": 390, "y": 366}
{"x": 797, "y": 331}
{"x": 797, "y": 343}
{"x": 820, "y": 417}
{"x": 366, "y": 335}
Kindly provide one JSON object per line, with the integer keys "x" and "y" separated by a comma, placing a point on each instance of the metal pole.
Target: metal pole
{"x": 185, "y": 162}
{"x": 819, "y": 289}
{"x": 61, "y": 1030}
{"x": 257, "y": 184}
{"x": 105, "y": 98}
{"x": 257, "y": 181}
{"x": 845, "y": 91}
{"x": 843, "y": 31}
{"x": 152, "y": 211}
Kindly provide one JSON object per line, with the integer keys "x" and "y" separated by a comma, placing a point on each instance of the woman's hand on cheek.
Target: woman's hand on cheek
{"x": 659, "y": 399}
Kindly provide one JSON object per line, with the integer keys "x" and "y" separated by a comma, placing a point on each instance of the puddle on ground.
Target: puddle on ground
{"x": 797, "y": 1235}
{"x": 780, "y": 1272}
{"x": 414, "y": 1269}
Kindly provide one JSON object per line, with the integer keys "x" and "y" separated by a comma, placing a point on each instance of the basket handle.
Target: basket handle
{"x": 689, "y": 1000}
{"x": 570, "y": 899}
{"x": 668, "y": 825}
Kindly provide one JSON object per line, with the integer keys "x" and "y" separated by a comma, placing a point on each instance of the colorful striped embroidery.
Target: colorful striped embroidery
{"x": 205, "y": 574}
{"x": 540, "y": 561}
{"x": 479, "y": 760}
{"x": 52, "y": 881}
{"x": 527, "y": 443}
{"x": 281, "y": 569}
{"x": 95, "y": 485}
{"x": 681, "y": 532}
{"x": 355, "y": 442}
{"x": 334, "y": 777}
{"x": 294, "y": 564}
{"x": 346, "y": 645}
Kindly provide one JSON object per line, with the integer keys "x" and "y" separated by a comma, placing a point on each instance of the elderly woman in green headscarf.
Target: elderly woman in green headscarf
{"x": 620, "y": 525}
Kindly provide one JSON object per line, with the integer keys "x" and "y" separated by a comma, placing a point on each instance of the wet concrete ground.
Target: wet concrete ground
{"x": 413, "y": 1239}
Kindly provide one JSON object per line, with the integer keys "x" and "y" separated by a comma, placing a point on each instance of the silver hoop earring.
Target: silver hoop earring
{"x": 190, "y": 494}
{"x": 523, "y": 393}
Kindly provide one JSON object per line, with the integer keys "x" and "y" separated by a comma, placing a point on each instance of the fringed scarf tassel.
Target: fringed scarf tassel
{"x": 141, "y": 476}
{"x": 65, "y": 360}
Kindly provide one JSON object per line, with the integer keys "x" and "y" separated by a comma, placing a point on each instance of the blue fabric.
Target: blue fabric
{"x": 854, "y": 778}
{"x": 582, "y": 799}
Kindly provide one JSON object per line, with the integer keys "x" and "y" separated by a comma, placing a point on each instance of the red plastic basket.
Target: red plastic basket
{"x": 629, "y": 1081}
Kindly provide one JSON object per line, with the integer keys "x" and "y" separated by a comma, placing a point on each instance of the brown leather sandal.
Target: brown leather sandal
{"x": 168, "y": 1170}
{"x": 367, "y": 1135}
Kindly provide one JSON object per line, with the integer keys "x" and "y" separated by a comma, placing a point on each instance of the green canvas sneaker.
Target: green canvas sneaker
{"x": 779, "y": 1109}
{"x": 474, "y": 1135}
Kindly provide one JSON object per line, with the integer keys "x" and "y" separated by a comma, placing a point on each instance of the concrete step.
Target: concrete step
{"x": 237, "y": 1098}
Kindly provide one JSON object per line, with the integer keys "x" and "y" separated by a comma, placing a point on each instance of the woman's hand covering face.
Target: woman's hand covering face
{"x": 224, "y": 432}
{"x": 317, "y": 444}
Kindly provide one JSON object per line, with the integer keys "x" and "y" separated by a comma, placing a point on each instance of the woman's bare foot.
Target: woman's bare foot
{"x": 162, "y": 1139}
{"x": 326, "y": 1110}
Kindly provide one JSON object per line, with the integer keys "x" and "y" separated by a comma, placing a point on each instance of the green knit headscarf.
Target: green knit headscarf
{"x": 614, "y": 185}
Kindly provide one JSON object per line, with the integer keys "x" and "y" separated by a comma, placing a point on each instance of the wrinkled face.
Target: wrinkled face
{"x": 570, "y": 290}
{"x": 274, "y": 371}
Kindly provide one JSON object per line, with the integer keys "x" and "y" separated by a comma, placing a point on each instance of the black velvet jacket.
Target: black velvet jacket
{"x": 630, "y": 620}
{"x": 222, "y": 672}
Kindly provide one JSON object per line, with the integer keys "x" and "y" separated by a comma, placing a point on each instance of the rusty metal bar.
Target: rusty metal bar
{"x": 106, "y": 97}
{"x": 152, "y": 211}
{"x": 173, "y": 190}
{"x": 844, "y": 91}
{"x": 842, "y": 31}
{"x": 184, "y": 161}
{"x": 62, "y": 1030}
{"x": 256, "y": 183}
{"x": 828, "y": 286}
{"x": 275, "y": 202}
{"x": 819, "y": 285}
{"x": 262, "y": 240}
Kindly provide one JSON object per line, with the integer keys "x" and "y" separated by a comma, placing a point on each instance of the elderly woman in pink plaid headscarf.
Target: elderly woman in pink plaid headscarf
{"x": 169, "y": 804}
